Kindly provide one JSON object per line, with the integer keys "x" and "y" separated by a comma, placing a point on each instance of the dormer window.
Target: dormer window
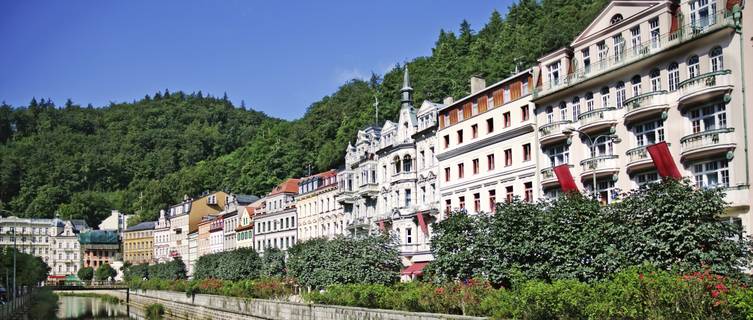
{"x": 617, "y": 18}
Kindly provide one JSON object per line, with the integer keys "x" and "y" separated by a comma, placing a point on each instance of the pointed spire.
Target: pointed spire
{"x": 406, "y": 91}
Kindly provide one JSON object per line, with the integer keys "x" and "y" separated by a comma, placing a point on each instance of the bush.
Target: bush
{"x": 172, "y": 270}
{"x": 238, "y": 264}
{"x": 273, "y": 263}
{"x": 155, "y": 311}
{"x": 105, "y": 272}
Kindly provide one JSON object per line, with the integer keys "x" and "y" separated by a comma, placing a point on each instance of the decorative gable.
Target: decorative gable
{"x": 616, "y": 14}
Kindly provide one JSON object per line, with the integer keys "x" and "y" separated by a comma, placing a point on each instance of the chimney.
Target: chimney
{"x": 448, "y": 101}
{"x": 477, "y": 84}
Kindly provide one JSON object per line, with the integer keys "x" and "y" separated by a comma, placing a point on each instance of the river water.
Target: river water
{"x": 71, "y": 307}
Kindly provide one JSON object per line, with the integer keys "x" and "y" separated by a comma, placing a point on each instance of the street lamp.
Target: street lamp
{"x": 592, "y": 144}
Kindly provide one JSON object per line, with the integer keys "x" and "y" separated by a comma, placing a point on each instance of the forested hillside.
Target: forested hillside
{"x": 138, "y": 157}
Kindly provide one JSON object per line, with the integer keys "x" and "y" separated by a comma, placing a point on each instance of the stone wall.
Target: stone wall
{"x": 201, "y": 307}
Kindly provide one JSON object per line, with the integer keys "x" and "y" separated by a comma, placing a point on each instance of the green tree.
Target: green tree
{"x": 105, "y": 272}
{"x": 273, "y": 263}
{"x": 85, "y": 273}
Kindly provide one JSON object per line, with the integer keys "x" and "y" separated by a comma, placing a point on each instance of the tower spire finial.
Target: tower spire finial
{"x": 406, "y": 91}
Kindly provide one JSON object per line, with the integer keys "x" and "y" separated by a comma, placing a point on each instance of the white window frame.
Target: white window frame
{"x": 620, "y": 93}
{"x": 576, "y": 108}
{"x": 716, "y": 60}
{"x": 655, "y": 33}
{"x": 673, "y": 75}
{"x": 694, "y": 67}
{"x": 708, "y": 117}
{"x": 655, "y": 77}
{"x": 619, "y": 47}
{"x": 649, "y": 132}
{"x": 702, "y": 13}
{"x": 635, "y": 39}
{"x": 553, "y": 70}
{"x": 711, "y": 174}
{"x": 558, "y": 154}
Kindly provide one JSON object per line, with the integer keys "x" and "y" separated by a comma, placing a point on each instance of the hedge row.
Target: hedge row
{"x": 266, "y": 288}
{"x": 637, "y": 293}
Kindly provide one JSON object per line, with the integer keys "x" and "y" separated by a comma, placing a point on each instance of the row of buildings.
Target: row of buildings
{"x": 65, "y": 245}
{"x": 649, "y": 89}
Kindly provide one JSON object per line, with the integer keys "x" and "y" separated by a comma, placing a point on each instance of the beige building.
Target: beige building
{"x": 138, "y": 243}
{"x": 187, "y": 217}
{"x": 319, "y": 215}
{"x": 487, "y": 145}
{"x": 244, "y": 230}
{"x": 276, "y": 223}
{"x": 641, "y": 73}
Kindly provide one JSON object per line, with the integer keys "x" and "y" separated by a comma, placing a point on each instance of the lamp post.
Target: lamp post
{"x": 592, "y": 144}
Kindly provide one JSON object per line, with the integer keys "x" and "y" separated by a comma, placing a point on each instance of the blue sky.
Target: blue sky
{"x": 277, "y": 56}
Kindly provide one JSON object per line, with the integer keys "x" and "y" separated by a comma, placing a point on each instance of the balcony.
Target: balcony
{"x": 552, "y": 132}
{"x": 638, "y": 158}
{"x": 369, "y": 189}
{"x": 346, "y": 196}
{"x": 548, "y": 178}
{"x": 645, "y": 105}
{"x": 666, "y": 42}
{"x": 602, "y": 165}
{"x": 707, "y": 143}
{"x": 597, "y": 119}
{"x": 703, "y": 87}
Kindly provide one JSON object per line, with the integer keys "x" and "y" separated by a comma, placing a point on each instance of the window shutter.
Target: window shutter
{"x": 467, "y": 110}
{"x": 482, "y": 101}
{"x": 515, "y": 91}
{"x": 441, "y": 121}
{"x": 498, "y": 101}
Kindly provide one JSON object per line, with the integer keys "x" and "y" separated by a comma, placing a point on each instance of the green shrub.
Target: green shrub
{"x": 155, "y": 311}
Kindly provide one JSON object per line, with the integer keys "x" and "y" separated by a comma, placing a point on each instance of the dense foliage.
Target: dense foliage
{"x": 318, "y": 263}
{"x": 635, "y": 293}
{"x": 273, "y": 263}
{"x": 85, "y": 273}
{"x": 669, "y": 225}
{"x": 172, "y": 270}
{"x": 264, "y": 288}
{"x": 141, "y": 156}
{"x": 241, "y": 263}
{"x": 105, "y": 272}
{"x": 30, "y": 269}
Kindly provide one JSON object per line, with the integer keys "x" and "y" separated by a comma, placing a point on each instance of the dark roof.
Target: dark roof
{"x": 98, "y": 237}
{"x": 246, "y": 198}
{"x": 146, "y": 225}
{"x": 79, "y": 224}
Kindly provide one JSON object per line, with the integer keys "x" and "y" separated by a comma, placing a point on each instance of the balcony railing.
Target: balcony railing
{"x": 553, "y": 128}
{"x": 708, "y": 138}
{"x": 629, "y": 55}
{"x": 596, "y": 115}
{"x": 644, "y": 100}
{"x": 704, "y": 81}
{"x": 599, "y": 163}
{"x": 637, "y": 154}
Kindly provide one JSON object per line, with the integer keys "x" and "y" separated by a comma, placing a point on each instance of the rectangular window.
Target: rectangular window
{"x": 460, "y": 136}
{"x": 509, "y": 194}
{"x": 461, "y": 168}
{"x": 586, "y": 53}
{"x": 489, "y": 125}
{"x": 475, "y": 166}
{"x": 506, "y": 93}
{"x": 446, "y": 174}
{"x": 711, "y": 174}
{"x": 446, "y": 141}
{"x": 653, "y": 25}
{"x": 474, "y": 131}
{"x": 524, "y": 86}
{"x": 408, "y": 235}
{"x": 646, "y": 178}
{"x": 619, "y": 47}
{"x": 506, "y": 117}
{"x": 576, "y": 108}
{"x": 602, "y": 51}
{"x": 527, "y": 152}
{"x": 656, "y": 81}
{"x": 408, "y": 197}
{"x": 635, "y": 39}
{"x": 649, "y": 132}
{"x": 605, "y": 190}
{"x": 673, "y": 74}
{"x": 477, "y": 202}
{"x": 709, "y": 118}
{"x": 490, "y": 162}
{"x": 508, "y": 157}
{"x": 492, "y": 200}
{"x": 554, "y": 74}
{"x": 524, "y": 115}
{"x": 605, "y": 98}
{"x": 447, "y": 206}
{"x": 702, "y": 14}
{"x": 528, "y": 191}
{"x": 461, "y": 202}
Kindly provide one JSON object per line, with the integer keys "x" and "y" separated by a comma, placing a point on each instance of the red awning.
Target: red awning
{"x": 663, "y": 161}
{"x": 422, "y": 223}
{"x": 565, "y": 178}
{"x": 417, "y": 268}
{"x": 55, "y": 277}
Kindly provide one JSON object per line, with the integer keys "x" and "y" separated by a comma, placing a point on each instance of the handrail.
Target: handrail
{"x": 703, "y": 76}
{"x": 642, "y": 96}
{"x": 705, "y": 133}
{"x": 594, "y": 159}
{"x": 595, "y": 111}
{"x": 552, "y": 124}
{"x": 720, "y": 19}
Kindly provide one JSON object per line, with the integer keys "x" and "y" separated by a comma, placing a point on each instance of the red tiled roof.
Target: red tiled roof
{"x": 417, "y": 268}
{"x": 287, "y": 186}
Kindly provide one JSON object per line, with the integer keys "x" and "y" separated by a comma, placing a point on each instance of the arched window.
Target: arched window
{"x": 605, "y": 97}
{"x": 407, "y": 163}
{"x": 617, "y": 18}
{"x": 563, "y": 110}
{"x": 620, "y": 92}
{"x": 576, "y": 108}
{"x": 717, "y": 63}
{"x": 635, "y": 83}
{"x": 694, "y": 69}
{"x": 655, "y": 76}
{"x": 396, "y": 162}
{"x": 673, "y": 76}
{"x": 589, "y": 101}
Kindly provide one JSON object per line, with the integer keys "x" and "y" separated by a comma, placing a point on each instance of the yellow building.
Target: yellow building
{"x": 138, "y": 243}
